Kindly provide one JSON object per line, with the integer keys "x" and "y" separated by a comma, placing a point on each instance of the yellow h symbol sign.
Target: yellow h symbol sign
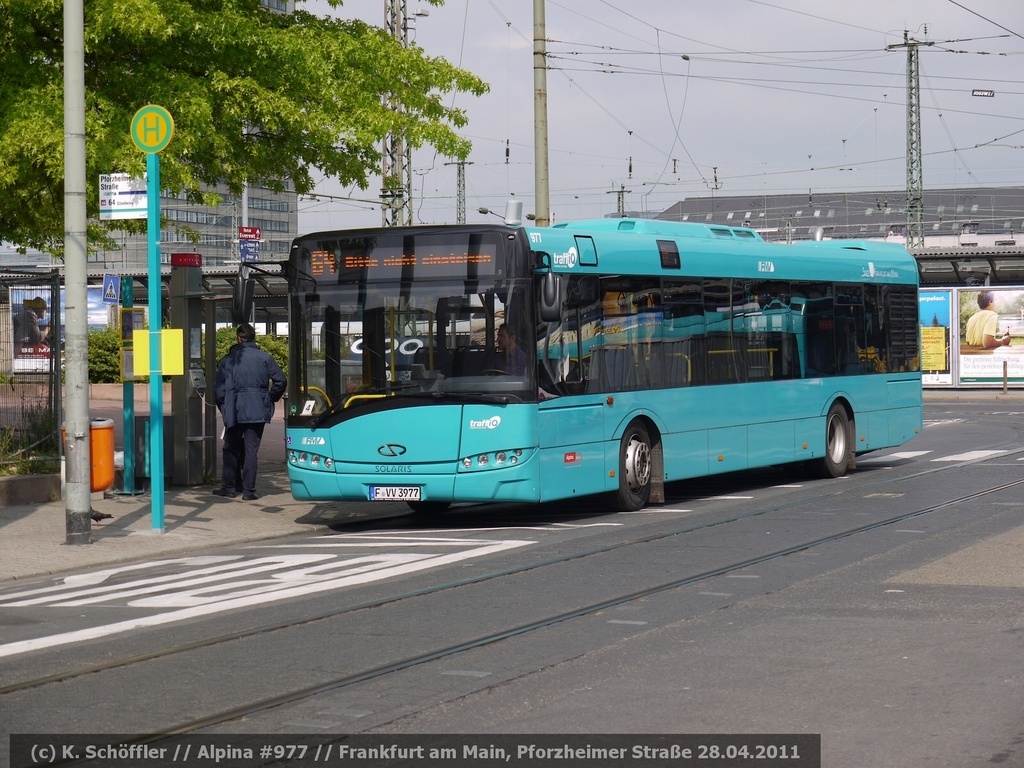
{"x": 152, "y": 128}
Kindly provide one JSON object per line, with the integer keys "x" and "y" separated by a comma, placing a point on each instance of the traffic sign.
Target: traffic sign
{"x": 152, "y": 128}
{"x": 983, "y": 92}
{"x": 249, "y": 233}
{"x": 111, "y": 289}
{"x": 249, "y": 250}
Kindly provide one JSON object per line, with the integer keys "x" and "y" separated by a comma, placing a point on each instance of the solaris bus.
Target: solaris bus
{"x": 656, "y": 351}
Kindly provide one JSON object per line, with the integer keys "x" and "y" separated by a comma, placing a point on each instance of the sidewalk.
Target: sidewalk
{"x": 33, "y": 536}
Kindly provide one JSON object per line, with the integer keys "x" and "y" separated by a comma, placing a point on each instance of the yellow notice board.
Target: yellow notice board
{"x": 172, "y": 354}
{"x": 934, "y": 355}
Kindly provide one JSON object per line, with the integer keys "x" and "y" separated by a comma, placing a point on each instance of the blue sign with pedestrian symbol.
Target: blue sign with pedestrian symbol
{"x": 111, "y": 289}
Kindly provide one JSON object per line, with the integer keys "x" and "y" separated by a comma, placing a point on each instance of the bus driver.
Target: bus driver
{"x": 512, "y": 358}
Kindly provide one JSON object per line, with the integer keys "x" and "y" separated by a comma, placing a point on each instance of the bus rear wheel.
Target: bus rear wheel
{"x": 634, "y": 469}
{"x": 837, "y": 444}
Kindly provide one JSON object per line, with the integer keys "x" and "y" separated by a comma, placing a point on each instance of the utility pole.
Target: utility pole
{"x": 621, "y": 193}
{"x": 540, "y": 116}
{"x": 460, "y": 191}
{"x": 396, "y": 164}
{"x": 915, "y": 183}
{"x": 78, "y": 504}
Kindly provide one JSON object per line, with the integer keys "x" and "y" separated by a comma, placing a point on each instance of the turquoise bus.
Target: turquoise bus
{"x": 655, "y": 352}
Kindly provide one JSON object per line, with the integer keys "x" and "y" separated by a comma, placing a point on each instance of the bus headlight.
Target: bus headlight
{"x": 492, "y": 460}
{"x": 312, "y": 460}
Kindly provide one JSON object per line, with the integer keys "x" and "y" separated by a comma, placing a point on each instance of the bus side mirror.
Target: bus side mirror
{"x": 550, "y": 305}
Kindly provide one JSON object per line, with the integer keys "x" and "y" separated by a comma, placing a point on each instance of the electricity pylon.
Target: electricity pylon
{"x": 460, "y": 191}
{"x": 915, "y": 183}
{"x": 396, "y": 163}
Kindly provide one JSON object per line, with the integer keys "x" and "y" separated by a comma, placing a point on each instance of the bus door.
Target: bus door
{"x": 573, "y": 428}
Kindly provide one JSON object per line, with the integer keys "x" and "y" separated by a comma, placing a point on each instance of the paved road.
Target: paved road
{"x": 899, "y": 643}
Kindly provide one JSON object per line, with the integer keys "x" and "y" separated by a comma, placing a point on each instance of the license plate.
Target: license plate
{"x": 394, "y": 493}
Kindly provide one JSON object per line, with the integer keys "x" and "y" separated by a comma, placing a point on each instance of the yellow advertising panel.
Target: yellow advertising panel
{"x": 172, "y": 353}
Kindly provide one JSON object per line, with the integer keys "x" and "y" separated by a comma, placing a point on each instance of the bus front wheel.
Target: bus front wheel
{"x": 634, "y": 469}
{"x": 837, "y": 443}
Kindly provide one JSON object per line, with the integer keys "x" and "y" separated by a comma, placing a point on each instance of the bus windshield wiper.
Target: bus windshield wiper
{"x": 332, "y": 409}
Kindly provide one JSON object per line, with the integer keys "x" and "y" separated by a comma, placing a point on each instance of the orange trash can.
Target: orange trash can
{"x": 101, "y": 453}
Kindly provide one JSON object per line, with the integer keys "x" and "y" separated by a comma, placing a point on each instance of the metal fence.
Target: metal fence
{"x": 31, "y": 350}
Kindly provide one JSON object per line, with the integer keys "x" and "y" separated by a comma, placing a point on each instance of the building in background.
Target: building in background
{"x": 978, "y": 217}
{"x": 275, "y": 214}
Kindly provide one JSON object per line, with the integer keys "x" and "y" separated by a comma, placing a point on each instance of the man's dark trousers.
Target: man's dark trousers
{"x": 241, "y": 446}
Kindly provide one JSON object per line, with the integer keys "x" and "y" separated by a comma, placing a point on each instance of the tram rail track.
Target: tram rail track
{"x": 549, "y": 621}
{"x": 338, "y": 682}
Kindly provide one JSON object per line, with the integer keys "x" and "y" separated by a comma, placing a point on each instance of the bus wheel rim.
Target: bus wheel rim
{"x": 638, "y": 464}
{"x": 836, "y": 440}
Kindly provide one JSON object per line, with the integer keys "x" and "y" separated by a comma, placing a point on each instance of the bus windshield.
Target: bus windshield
{"x": 426, "y": 318}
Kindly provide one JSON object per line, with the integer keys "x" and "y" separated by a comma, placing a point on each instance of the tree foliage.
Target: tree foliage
{"x": 104, "y": 356}
{"x": 256, "y": 96}
{"x": 276, "y": 347}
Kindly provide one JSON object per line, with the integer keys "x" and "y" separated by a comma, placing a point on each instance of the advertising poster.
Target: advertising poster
{"x": 33, "y": 335}
{"x": 990, "y": 336}
{"x": 935, "y": 310}
{"x": 38, "y": 330}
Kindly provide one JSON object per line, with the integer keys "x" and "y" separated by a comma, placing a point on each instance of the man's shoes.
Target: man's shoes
{"x": 250, "y": 496}
{"x": 224, "y": 492}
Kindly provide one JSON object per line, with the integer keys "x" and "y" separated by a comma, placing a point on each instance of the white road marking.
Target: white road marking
{"x": 98, "y": 577}
{"x": 970, "y": 456}
{"x": 277, "y": 578}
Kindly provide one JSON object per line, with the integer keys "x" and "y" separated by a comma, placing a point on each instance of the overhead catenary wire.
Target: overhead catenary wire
{"x": 848, "y": 75}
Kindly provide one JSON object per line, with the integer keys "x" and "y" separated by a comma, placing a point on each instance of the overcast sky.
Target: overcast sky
{"x": 783, "y": 96}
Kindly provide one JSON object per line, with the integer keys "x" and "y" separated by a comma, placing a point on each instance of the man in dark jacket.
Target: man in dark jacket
{"x": 248, "y": 384}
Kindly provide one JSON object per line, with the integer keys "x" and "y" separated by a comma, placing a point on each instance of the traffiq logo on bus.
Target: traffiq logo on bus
{"x": 491, "y": 423}
{"x": 567, "y": 259}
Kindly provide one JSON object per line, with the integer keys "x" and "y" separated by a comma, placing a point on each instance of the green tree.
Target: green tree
{"x": 276, "y": 347}
{"x": 255, "y": 96}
